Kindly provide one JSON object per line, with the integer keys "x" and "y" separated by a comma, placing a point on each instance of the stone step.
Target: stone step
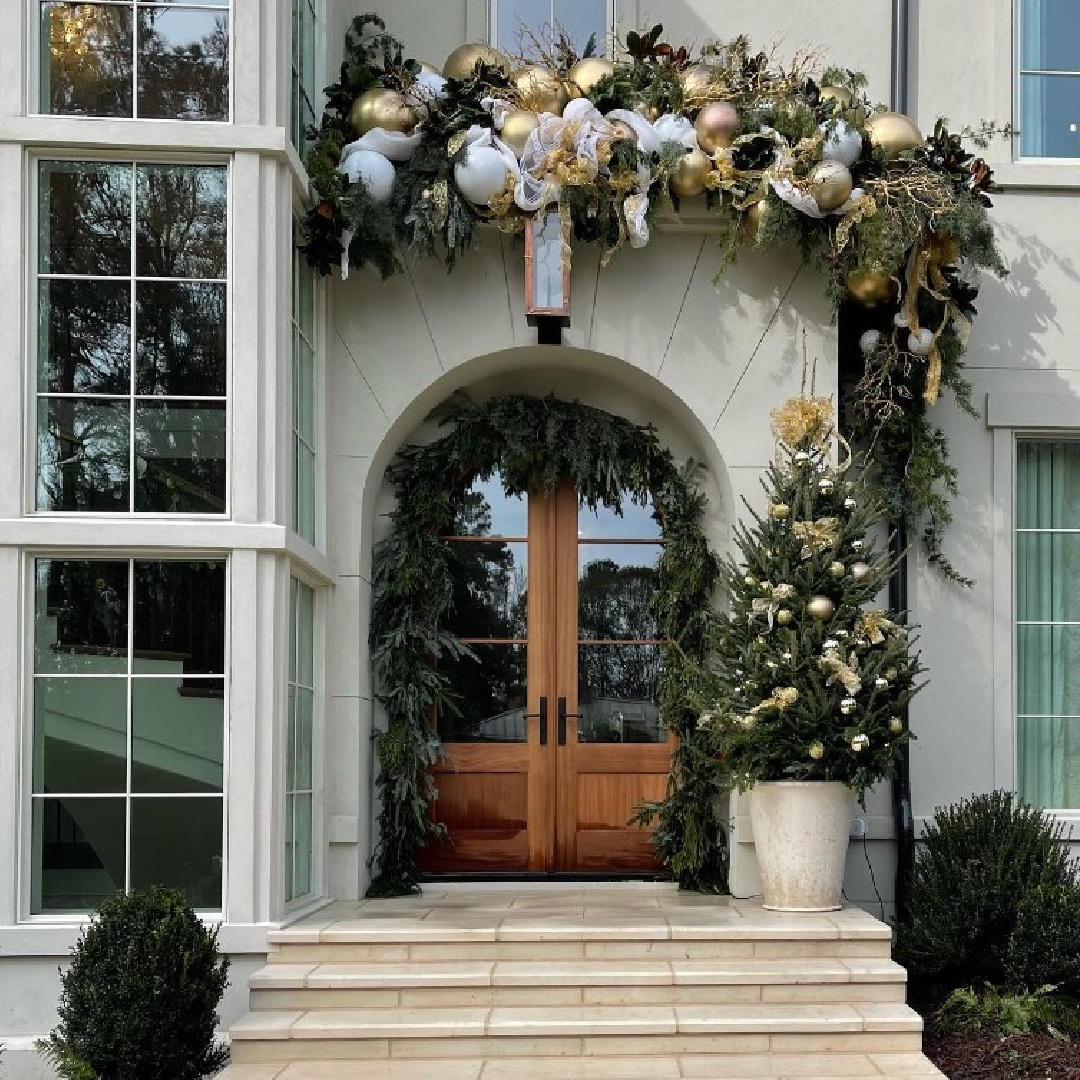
{"x": 589, "y": 982}
{"x": 582, "y": 1031}
{"x": 850, "y": 1066}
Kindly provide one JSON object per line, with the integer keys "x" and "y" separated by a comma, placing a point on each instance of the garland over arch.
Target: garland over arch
{"x": 535, "y": 444}
{"x": 409, "y": 162}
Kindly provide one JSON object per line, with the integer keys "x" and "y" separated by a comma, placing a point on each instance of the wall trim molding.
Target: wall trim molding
{"x": 1032, "y": 411}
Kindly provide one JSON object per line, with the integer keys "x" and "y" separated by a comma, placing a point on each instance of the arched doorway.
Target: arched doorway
{"x": 556, "y": 734}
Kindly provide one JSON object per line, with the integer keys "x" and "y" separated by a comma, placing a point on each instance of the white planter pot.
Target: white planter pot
{"x": 801, "y": 836}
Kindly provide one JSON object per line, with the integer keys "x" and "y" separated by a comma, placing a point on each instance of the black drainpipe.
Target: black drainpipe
{"x": 898, "y": 581}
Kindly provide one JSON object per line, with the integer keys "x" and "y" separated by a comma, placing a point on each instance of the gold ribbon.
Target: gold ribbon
{"x": 804, "y": 420}
{"x": 781, "y": 698}
{"x": 819, "y": 535}
{"x": 873, "y": 626}
{"x": 841, "y": 671}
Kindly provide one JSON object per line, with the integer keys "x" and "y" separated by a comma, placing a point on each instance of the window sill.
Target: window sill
{"x": 1038, "y": 174}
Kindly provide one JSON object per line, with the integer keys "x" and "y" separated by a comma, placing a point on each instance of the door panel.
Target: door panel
{"x": 557, "y": 615}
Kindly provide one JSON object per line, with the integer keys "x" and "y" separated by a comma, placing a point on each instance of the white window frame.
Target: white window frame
{"x": 1014, "y": 417}
{"x": 26, "y": 711}
{"x": 35, "y": 105}
{"x": 318, "y": 74}
{"x": 32, "y": 337}
{"x": 605, "y": 43}
{"x": 319, "y": 612}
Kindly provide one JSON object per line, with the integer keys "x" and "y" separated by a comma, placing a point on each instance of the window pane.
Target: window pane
{"x": 177, "y": 843}
{"x": 1048, "y": 577}
{"x": 1047, "y": 484}
{"x": 582, "y": 18}
{"x": 290, "y": 846}
{"x": 180, "y": 457}
{"x": 304, "y": 298}
{"x": 86, "y": 59}
{"x": 80, "y": 617}
{"x": 84, "y": 336}
{"x": 302, "y": 851}
{"x": 181, "y": 348}
{"x": 305, "y": 628}
{"x": 78, "y": 853}
{"x": 617, "y": 694}
{"x": 1050, "y": 115}
{"x": 177, "y": 735}
{"x": 617, "y": 586}
{"x": 80, "y": 735}
{"x": 516, "y": 18}
{"x": 85, "y": 218}
{"x": 634, "y": 523}
{"x": 82, "y": 455}
{"x": 489, "y": 695}
{"x": 1048, "y": 670}
{"x": 304, "y": 522}
{"x": 180, "y": 619}
{"x": 1050, "y": 35}
{"x": 484, "y": 509}
{"x": 300, "y": 773}
{"x": 490, "y": 589}
{"x": 183, "y": 64}
{"x": 181, "y": 221}
{"x": 1048, "y": 761}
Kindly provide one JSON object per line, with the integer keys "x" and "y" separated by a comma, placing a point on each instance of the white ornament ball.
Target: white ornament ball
{"x": 825, "y": 485}
{"x": 848, "y": 706}
{"x": 374, "y": 170}
{"x": 801, "y": 458}
{"x": 881, "y": 683}
{"x": 860, "y": 570}
{"x": 856, "y": 545}
{"x": 842, "y": 143}
{"x": 850, "y": 504}
{"x": 860, "y": 742}
{"x": 482, "y": 175}
{"x": 920, "y": 345}
{"x": 900, "y": 319}
{"x": 868, "y": 342}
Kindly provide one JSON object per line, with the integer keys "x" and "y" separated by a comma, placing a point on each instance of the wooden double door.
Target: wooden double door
{"x": 555, "y": 735}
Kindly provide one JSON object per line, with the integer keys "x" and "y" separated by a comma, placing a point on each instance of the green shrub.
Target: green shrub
{"x": 1045, "y": 946}
{"x": 966, "y": 1012}
{"x": 140, "y": 998}
{"x": 978, "y": 862}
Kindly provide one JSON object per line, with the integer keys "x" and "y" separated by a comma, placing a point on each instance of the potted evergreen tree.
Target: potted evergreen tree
{"x": 810, "y": 679}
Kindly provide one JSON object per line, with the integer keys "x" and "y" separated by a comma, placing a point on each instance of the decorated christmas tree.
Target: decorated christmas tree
{"x": 810, "y": 677}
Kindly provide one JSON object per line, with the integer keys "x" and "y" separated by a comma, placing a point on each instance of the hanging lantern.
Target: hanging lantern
{"x": 547, "y": 273}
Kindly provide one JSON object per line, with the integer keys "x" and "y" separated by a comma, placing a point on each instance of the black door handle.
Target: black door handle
{"x": 542, "y": 717}
{"x": 563, "y": 714}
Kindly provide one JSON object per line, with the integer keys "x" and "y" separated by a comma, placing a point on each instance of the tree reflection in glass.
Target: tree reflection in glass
{"x": 179, "y": 52}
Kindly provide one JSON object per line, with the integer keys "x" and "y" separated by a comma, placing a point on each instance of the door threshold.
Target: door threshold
{"x": 541, "y": 878}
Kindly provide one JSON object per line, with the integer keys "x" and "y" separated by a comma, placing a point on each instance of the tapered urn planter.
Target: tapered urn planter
{"x": 801, "y": 834}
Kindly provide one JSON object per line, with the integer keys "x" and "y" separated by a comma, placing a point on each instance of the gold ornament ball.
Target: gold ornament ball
{"x": 381, "y": 108}
{"x": 695, "y": 80}
{"x": 881, "y": 682}
{"x": 860, "y": 570}
{"x": 893, "y": 132}
{"x": 585, "y": 74}
{"x": 541, "y": 90}
{"x": 779, "y": 511}
{"x": 842, "y": 102}
{"x": 518, "y": 125}
{"x": 817, "y": 751}
{"x": 830, "y": 184}
{"x": 848, "y": 706}
{"x": 820, "y": 608}
{"x": 461, "y": 63}
{"x": 785, "y": 617}
{"x": 751, "y": 219}
{"x": 836, "y": 569}
{"x": 689, "y": 178}
{"x": 826, "y": 485}
{"x": 750, "y": 580}
{"x": 896, "y": 725}
{"x": 868, "y": 288}
{"x": 715, "y": 126}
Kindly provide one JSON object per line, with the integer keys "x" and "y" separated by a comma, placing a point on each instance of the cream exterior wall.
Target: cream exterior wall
{"x": 652, "y": 337}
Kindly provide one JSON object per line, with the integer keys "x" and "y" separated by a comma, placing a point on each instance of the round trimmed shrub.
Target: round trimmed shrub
{"x": 977, "y": 865}
{"x": 141, "y": 995}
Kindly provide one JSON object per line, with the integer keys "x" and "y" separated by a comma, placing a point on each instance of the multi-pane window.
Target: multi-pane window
{"x": 298, "y": 750}
{"x": 154, "y": 60}
{"x": 303, "y": 399}
{"x": 1047, "y": 545}
{"x": 1049, "y": 78}
{"x": 131, "y": 357}
{"x": 521, "y": 25}
{"x": 305, "y": 23}
{"x": 129, "y": 705}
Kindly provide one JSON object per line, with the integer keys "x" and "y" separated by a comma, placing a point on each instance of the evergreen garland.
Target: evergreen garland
{"x": 534, "y": 444}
